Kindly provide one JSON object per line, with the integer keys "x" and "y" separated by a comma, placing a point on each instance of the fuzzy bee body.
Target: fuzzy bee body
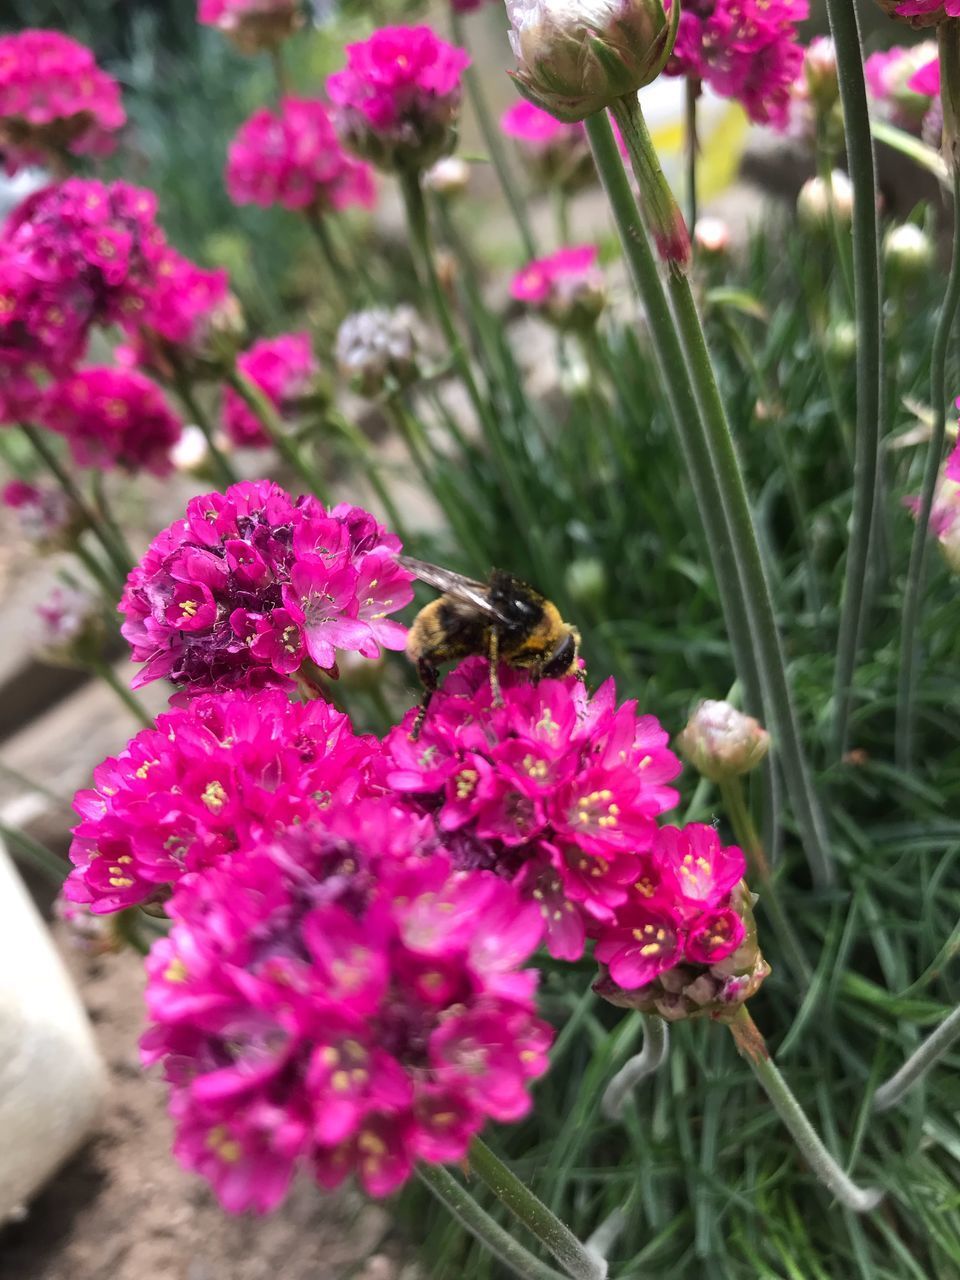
{"x": 504, "y": 620}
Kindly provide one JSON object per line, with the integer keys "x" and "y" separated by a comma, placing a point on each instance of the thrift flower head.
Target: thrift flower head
{"x": 294, "y": 159}
{"x": 945, "y": 512}
{"x": 211, "y": 778}
{"x": 920, "y": 13}
{"x": 113, "y": 418}
{"x": 397, "y": 101}
{"x": 44, "y": 513}
{"x": 189, "y": 319}
{"x": 250, "y": 584}
{"x": 576, "y": 59}
{"x": 557, "y": 152}
{"x": 566, "y": 287}
{"x": 284, "y": 369}
{"x": 69, "y": 625}
{"x": 684, "y": 942}
{"x": 53, "y": 98}
{"x": 378, "y": 347}
{"x": 903, "y": 83}
{"x": 555, "y": 790}
{"x": 743, "y": 49}
{"x": 341, "y": 1001}
{"x": 721, "y": 742}
{"x": 252, "y": 25}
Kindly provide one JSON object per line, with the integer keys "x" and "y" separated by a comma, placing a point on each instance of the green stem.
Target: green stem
{"x": 99, "y": 573}
{"x": 280, "y": 76}
{"x": 335, "y": 264}
{"x": 364, "y": 454}
{"x": 270, "y": 420}
{"x": 916, "y": 573}
{"x": 750, "y": 1044}
{"x": 758, "y": 867}
{"x": 845, "y": 27}
{"x": 656, "y": 1044}
{"x": 36, "y": 854}
{"x": 493, "y": 140}
{"x": 126, "y": 696}
{"x": 919, "y": 1063}
{"x": 184, "y": 389}
{"x": 557, "y": 1238}
{"x": 692, "y": 147}
{"x": 126, "y": 923}
{"x": 481, "y": 1226}
{"x": 105, "y": 515}
{"x": 725, "y": 487}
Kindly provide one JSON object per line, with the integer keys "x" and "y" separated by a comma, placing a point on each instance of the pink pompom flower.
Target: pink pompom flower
{"x": 397, "y": 101}
{"x": 903, "y": 82}
{"x": 210, "y": 778}
{"x": 113, "y": 418}
{"x": 557, "y": 152}
{"x": 250, "y": 584}
{"x": 747, "y": 50}
{"x": 283, "y": 368}
{"x": 294, "y": 159}
{"x": 252, "y": 25}
{"x": 341, "y": 1000}
{"x": 566, "y": 287}
{"x": 555, "y": 790}
{"x": 44, "y": 513}
{"x": 53, "y": 98}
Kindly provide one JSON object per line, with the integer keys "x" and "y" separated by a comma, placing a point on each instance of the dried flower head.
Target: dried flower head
{"x": 378, "y": 348}
{"x": 566, "y": 288}
{"x": 397, "y": 101}
{"x": 341, "y": 1000}
{"x": 721, "y": 742}
{"x": 250, "y": 584}
{"x": 284, "y": 368}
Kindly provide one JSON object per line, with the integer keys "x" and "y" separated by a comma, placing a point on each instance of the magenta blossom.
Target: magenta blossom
{"x": 250, "y": 584}
{"x": 53, "y": 98}
{"x": 43, "y": 513}
{"x": 182, "y": 314}
{"x": 566, "y": 287}
{"x": 283, "y": 368}
{"x": 342, "y": 1000}
{"x": 252, "y": 25}
{"x": 209, "y": 779}
{"x": 557, "y": 791}
{"x": 397, "y": 101}
{"x": 903, "y": 82}
{"x": 557, "y": 152}
{"x": 535, "y": 128}
{"x": 295, "y": 159}
{"x": 113, "y": 418}
{"x": 926, "y": 12}
{"x": 743, "y": 49}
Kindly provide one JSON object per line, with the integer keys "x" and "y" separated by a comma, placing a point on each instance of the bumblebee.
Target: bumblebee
{"x": 503, "y": 620}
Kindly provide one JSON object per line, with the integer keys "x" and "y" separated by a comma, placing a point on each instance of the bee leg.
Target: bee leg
{"x": 429, "y": 675}
{"x": 493, "y": 653}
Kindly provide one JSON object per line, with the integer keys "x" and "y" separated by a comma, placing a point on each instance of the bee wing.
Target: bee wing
{"x": 453, "y": 584}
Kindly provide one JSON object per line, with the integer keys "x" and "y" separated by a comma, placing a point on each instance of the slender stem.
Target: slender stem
{"x": 259, "y": 404}
{"x": 916, "y": 573}
{"x": 335, "y": 264}
{"x": 72, "y": 490}
{"x": 656, "y": 1044}
{"x": 725, "y": 487}
{"x": 280, "y": 76}
{"x": 184, "y": 389}
{"x": 759, "y": 869}
{"x": 919, "y": 1063}
{"x": 100, "y": 573}
{"x": 751, "y": 1046}
{"x": 126, "y": 696}
{"x": 845, "y": 26}
{"x": 493, "y": 141}
{"x": 127, "y": 927}
{"x": 534, "y": 1214}
{"x": 692, "y": 147}
{"x": 481, "y": 1226}
{"x": 36, "y": 854}
{"x": 361, "y": 448}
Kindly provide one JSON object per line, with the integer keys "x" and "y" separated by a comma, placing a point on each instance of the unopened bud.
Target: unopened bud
{"x": 820, "y": 73}
{"x": 712, "y": 237}
{"x": 378, "y": 346}
{"x": 721, "y": 742}
{"x": 840, "y": 341}
{"x": 586, "y": 581}
{"x": 908, "y": 251}
{"x": 191, "y": 453}
{"x": 574, "y": 59}
{"x": 820, "y": 201}
{"x": 449, "y": 177}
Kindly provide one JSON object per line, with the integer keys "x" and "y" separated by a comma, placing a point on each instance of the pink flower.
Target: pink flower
{"x": 926, "y": 80}
{"x": 53, "y": 97}
{"x": 250, "y": 582}
{"x": 743, "y": 49}
{"x": 113, "y": 418}
{"x": 556, "y": 791}
{"x": 252, "y": 25}
{"x": 567, "y": 286}
{"x": 932, "y": 8}
{"x": 43, "y": 514}
{"x": 537, "y": 128}
{"x": 283, "y": 368}
{"x": 556, "y": 152}
{"x": 397, "y": 101}
{"x": 341, "y": 999}
{"x": 295, "y": 159}
{"x": 183, "y": 310}
{"x": 213, "y": 776}
{"x": 902, "y": 82}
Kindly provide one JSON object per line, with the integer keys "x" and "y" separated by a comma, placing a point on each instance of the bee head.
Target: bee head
{"x": 563, "y": 659}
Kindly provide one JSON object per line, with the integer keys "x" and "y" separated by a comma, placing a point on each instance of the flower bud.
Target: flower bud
{"x": 712, "y": 237}
{"x": 71, "y": 631}
{"x": 820, "y": 73}
{"x": 45, "y": 515}
{"x": 840, "y": 341}
{"x": 191, "y": 454}
{"x": 576, "y": 58}
{"x": 817, "y": 197}
{"x": 721, "y": 742}
{"x": 378, "y": 346}
{"x": 449, "y": 177}
{"x": 586, "y": 581}
{"x": 908, "y": 251}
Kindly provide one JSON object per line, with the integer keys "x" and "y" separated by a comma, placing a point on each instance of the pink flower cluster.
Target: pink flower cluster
{"x": 283, "y": 368}
{"x": 679, "y": 910}
{"x": 53, "y": 98}
{"x": 556, "y": 791}
{"x": 250, "y": 584}
{"x": 743, "y": 49}
{"x": 295, "y": 159}
{"x": 341, "y": 999}
{"x": 934, "y": 11}
{"x": 210, "y": 779}
{"x": 113, "y": 418}
{"x": 397, "y": 100}
{"x": 180, "y": 310}
{"x": 567, "y": 286}
{"x": 903, "y": 82}
{"x": 43, "y": 514}
{"x": 538, "y": 129}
